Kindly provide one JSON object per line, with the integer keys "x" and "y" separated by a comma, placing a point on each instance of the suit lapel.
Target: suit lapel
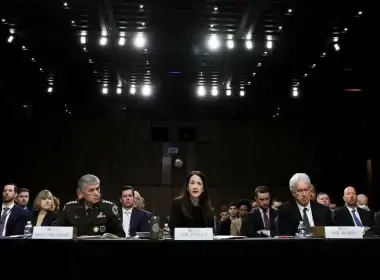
{"x": 296, "y": 211}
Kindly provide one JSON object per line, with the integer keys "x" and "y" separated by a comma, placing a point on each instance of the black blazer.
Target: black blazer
{"x": 254, "y": 223}
{"x": 16, "y": 221}
{"x": 48, "y": 220}
{"x": 289, "y": 217}
{"x": 198, "y": 217}
{"x": 342, "y": 217}
{"x": 139, "y": 222}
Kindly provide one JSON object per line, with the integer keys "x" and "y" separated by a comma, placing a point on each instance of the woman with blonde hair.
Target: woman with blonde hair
{"x": 56, "y": 204}
{"x": 43, "y": 207}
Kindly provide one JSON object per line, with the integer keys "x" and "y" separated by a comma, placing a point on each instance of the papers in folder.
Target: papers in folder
{"x": 222, "y": 237}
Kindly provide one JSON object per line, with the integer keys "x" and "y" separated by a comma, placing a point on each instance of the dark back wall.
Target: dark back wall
{"x": 235, "y": 156}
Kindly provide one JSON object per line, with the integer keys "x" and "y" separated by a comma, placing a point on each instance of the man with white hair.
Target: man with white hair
{"x": 301, "y": 208}
{"x": 90, "y": 214}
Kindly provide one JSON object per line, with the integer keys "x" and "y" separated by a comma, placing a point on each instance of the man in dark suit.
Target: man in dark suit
{"x": 22, "y": 199}
{"x": 260, "y": 222}
{"x": 133, "y": 219}
{"x": 301, "y": 208}
{"x": 13, "y": 218}
{"x": 350, "y": 214}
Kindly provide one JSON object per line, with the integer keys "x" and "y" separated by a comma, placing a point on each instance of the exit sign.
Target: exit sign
{"x": 173, "y": 150}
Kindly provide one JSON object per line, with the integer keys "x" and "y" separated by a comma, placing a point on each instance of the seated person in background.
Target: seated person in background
{"x": 350, "y": 214}
{"x": 193, "y": 208}
{"x": 260, "y": 222}
{"x": 56, "y": 204}
{"x": 13, "y": 217}
{"x": 244, "y": 209}
{"x": 133, "y": 219}
{"x": 301, "y": 208}
{"x": 43, "y": 207}
{"x": 233, "y": 214}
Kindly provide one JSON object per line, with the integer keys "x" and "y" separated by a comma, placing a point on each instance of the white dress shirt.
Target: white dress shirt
{"x": 356, "y": 214}
{"x": 126, "y": 220}
{"x": 309, "y": 214}
{"x": 6, "y": 218}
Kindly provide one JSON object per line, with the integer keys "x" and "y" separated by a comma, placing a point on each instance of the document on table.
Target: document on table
{"x": 222, "y": 237}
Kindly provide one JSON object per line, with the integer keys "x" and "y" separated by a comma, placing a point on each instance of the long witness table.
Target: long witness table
{"x": 109, "y": 256}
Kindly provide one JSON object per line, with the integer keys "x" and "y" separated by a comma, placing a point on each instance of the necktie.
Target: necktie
{"x": 2, "y": 220}
{"x": 305, "y": 220}
{"x": 358, "y": 223}
{"x": 265, "y": 219}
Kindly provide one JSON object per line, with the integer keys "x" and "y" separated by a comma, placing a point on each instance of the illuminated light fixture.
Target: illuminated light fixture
{"x": 132, "y": 90}
{"x": 242, "y": 93}
{"x": 83, "y": 39}
{"x": 10, "y": 39}
{"x": 105, "y": 89}
{"x": 147, "y": 90}
{"x": 50, "y": 89}
{"x": 295, "y": 92}
{"x": 213, "y": 42}
{"x": 214, "y": 91}
{"x": 228, "y": 92}
{"x": 249, "y": 44}
{"x": 118, "y": 90}
{"x": 201, "y": 91}
{"x": 336, "y": 47}
{"x": 140, "y": 41}
{"x": 230, "y": 44}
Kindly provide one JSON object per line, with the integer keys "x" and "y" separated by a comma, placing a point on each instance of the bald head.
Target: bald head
{"x": 349, "y": 196}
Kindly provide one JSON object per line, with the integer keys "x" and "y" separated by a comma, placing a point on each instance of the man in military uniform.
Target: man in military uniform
{"x": 91, "y": 215}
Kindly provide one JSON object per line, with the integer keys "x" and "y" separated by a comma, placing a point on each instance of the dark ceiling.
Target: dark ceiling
{"x": 47, "y": 52}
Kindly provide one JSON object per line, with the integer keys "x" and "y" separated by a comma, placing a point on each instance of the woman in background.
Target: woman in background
{"x": 193, "y": 208}
{"x": 56, "y": 204}
{"x": 43, "y": 207}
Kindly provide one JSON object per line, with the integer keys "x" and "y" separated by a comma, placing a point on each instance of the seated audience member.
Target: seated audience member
{"x": 56, "y": 203}
{"x": 22, "y": 199}
{"x": 260, "y": 222}
{"x": 362, "y": 202}
{"x": 276, "y": 203}
{"x": 244, "y": 209}
{"x": 13, "y": 217}
{"x": 43, "y": 207}
{"x": 350, "y": 214}
{"x": 313, "y": 193}
{"x": 233, "y": 214}
{"x": 223, "y": 217}
{"x": 193, "y": 208}
{"x": 301, "y": 208}
{"x": 133, "y": 219}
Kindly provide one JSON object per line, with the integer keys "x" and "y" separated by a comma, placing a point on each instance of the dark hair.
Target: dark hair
{"x": 245, "y": 202}
{"x": 23, "y": 190}
{"x": 232, "y": 204}
{"x": 14, "y": 186}
{"x": 127, "y": 188}
{"x": 224, "y": 208}
{"x": 261, "y": 189}
{"x": 204, "y": 201}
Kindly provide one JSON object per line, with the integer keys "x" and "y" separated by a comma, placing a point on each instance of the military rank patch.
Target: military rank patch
{"x": 102, "y": 229}
{"x": 95, "y": 229}
{"x": 114, "y": 210}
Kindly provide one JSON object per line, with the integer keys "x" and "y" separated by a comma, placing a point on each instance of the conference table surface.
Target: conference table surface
{"x": 160, "y": 254}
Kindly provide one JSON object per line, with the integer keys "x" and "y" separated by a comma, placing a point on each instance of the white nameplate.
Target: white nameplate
{"x": 344, "y": 232}
{"x": 53, "y": 233}
{"x": 193, "y": 234}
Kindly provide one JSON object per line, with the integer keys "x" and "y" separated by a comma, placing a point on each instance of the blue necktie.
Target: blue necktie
{"x": 356, "y": 219}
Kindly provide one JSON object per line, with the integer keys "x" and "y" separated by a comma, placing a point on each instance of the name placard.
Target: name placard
{"x": 344, "y": 232}
{"x": 193, "y": 234}
{"x": 53, "y": 233}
